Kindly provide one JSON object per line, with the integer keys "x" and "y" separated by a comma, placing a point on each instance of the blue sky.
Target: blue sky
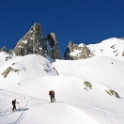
{"x": 82, "y": 21}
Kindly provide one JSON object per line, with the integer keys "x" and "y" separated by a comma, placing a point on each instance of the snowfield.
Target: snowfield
{"x": 76, "y": 103}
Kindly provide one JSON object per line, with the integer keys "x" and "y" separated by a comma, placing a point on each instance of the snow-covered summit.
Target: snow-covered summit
{"x": 112, "y": 47}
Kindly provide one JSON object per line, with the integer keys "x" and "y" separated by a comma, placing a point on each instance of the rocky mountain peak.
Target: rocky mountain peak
{"x": 31, "y": 42}
{"x": 74, "y": 51}
{"x": 37, "y": 30}
{"x": 34, "y": 43}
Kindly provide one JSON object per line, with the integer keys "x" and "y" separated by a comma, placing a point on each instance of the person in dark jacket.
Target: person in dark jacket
{"x": 14, "y": 104}
{"x": 52, "y": 95}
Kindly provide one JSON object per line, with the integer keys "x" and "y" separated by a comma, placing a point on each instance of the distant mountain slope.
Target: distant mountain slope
{"x": 112, "y": 47}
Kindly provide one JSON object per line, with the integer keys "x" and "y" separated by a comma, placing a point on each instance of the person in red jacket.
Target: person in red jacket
{"x": 52, "y": 95}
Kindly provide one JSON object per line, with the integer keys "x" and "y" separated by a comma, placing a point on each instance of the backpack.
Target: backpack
{"x": 50, "y": 92}
{"x": 53, "y": 93}
{"x": 13, "y": 102}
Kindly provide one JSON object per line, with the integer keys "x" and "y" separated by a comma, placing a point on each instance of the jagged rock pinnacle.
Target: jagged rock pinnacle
{"x": 34, "y": 43}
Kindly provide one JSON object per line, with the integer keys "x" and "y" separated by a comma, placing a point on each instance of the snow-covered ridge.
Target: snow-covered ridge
{"x": 112, "y": 47}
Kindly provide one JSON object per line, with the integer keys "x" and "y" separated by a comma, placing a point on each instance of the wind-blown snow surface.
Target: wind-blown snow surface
{"x": 74, "y": 104}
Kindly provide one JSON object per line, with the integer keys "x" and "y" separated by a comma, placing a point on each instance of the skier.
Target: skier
{"x": 52, "y": 95}
{"x": 14, "y": 104}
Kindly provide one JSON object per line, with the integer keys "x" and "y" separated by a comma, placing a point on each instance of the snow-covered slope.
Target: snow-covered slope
{"x": 76, "y": 103}
{"x": 29, "y": 68}
{"x": 112, "y": 47}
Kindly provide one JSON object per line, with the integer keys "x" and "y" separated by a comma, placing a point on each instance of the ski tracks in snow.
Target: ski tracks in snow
{"x": 112, "y": 116}
{"x": 22, "y": 114}
{"x": 22, "y": 110}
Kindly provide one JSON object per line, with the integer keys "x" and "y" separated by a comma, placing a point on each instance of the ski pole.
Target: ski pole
{"x": 18, "y": 104}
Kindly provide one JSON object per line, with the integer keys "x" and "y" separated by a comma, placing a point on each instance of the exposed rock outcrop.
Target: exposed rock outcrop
{"x": 75, "y": 52}
{"x": 87, "y": 85}
{"x": 4, "y": 49}
{"x": 112, "y": 92}
{"x": 6, "y": 72}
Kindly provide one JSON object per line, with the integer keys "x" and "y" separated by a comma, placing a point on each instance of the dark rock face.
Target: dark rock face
{"x": 31, "y": 43}
{"x": 34, "y": 43}
{"x": 52, "y": 46}
{"x": 75, "y": 52}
